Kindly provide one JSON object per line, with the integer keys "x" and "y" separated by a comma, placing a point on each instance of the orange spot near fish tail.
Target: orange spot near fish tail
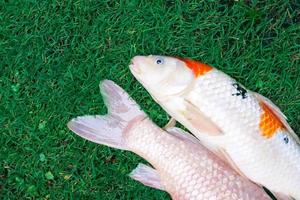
{"x": 269, "y": 122}
{"x": 198, "y": 68}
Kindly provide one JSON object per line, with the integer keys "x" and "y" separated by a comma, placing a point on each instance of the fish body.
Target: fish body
{"x": 244, "y": 128}
{"x": 181, "y": 165}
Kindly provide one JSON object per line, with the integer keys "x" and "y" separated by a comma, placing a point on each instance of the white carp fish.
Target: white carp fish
{"x": 242, "y": 127}
{"x": 181, "y": 165}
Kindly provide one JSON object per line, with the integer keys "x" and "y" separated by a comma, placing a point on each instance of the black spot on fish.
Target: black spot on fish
{"x": 286, "y": 139}
{"x": 240, "y": 91}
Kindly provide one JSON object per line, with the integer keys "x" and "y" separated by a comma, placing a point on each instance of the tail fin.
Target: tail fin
{"x": 108, "y": 129}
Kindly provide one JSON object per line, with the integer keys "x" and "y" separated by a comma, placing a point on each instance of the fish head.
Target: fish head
{"x": 162, "y": 75}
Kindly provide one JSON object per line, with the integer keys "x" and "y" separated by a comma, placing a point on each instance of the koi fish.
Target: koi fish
{"x": 242, "y": 127}
{"x": 181, "y": 165}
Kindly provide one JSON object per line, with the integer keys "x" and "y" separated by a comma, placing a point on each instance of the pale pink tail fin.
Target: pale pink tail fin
{"x": 108, "y": 129}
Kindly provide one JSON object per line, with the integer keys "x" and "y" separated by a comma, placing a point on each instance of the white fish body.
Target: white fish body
{"x": 242, "y": 127}
{"x": 182, "y": 166}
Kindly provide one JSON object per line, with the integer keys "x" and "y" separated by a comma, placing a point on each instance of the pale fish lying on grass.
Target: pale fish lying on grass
{"x": 244, "y": 128}
{"x": 181, "y": 165}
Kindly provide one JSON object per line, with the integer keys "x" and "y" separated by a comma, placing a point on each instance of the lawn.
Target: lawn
{"x": 53, "y": 54}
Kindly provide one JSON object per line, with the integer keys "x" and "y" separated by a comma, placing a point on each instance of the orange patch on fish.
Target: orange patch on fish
{"x": 269, "y": 122}
{"x": 198, "y": 68}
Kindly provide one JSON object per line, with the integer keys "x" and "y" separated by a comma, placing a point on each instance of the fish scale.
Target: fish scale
{"x": 179, "y": 159}
{"x": 242, "y": 127}
{"x": 181, "y": 165}
{"x": 244, "y": 118}
{"x": 215, "y": 91}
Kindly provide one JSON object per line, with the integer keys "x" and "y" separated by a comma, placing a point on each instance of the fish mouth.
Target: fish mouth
{"x": 134, "y": 67}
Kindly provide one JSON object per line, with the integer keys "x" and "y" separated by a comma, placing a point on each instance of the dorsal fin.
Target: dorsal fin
{"x": 269, "y": 121}
{"x": 277, "y": 112}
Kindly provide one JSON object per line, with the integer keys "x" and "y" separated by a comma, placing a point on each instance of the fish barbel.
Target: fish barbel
{"x": 181, "y": 165}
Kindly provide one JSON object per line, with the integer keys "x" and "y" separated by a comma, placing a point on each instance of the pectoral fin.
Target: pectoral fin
{"x": 208, "y": 133}
{"x": 183, "y": 135}
{"x": 171, "y": 123}
{"x": 199, "y": 121}
{"x": 147, "y": 176}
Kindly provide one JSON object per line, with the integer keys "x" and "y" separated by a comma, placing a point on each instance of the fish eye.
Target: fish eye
{"x": 286, "y": 139}
{"x": 159, "y": 61}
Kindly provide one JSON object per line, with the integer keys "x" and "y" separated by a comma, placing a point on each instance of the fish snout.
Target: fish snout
{"x": 136, "y": 64}
{"x": 136, "y": 60}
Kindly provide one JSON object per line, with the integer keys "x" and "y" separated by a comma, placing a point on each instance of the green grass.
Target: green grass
{"x": 53, "y": 55}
